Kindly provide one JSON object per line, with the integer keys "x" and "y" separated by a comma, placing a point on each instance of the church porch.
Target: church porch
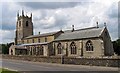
{"x": 36, "y": 49}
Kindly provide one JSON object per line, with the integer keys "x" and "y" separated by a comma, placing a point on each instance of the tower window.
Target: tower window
{"x": 26, "y": 23}
{"x": 19, "y": 23}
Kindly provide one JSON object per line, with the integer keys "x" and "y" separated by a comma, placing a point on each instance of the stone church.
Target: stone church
{"x": 87, "y": 42}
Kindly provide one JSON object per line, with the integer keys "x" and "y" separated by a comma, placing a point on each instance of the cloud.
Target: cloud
{"x": 119, "y": 19}
{"x": 58, "y": 19}
{"x": 49, "y": 5}
{"x": 53, "y": 16}
{"x": 7, "y": 36}
{"x": 8, "y": 16}
{"x": 51, "y": 19}
{"x": 113, "y": 11}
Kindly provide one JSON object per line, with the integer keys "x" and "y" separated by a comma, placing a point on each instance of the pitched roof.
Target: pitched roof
{"x": 80, "y": 34}
{"x": 44, "y": 43}
{"x": 41, "y": 35}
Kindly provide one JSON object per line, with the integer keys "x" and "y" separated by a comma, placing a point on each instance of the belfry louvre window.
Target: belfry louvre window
{"x": 19, "y": 23}
{"x": 26, "y": 23}
{"x": 73, "y": 48}
{"x": 89, "y": 46}
{"x": 59, "y": 47}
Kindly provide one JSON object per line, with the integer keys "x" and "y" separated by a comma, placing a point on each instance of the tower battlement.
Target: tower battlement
{"x": 23, "y": 16}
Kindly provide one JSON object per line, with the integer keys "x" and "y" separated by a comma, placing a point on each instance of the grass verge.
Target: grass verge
{"x": 2, "y": 70}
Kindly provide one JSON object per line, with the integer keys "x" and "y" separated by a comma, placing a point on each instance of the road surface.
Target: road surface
{"x": 19, "y": 65}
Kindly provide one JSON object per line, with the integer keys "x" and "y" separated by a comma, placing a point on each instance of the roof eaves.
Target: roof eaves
{"x": 76, "y": 39}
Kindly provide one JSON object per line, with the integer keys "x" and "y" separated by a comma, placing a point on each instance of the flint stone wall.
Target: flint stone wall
{"x": 109, "y": 62}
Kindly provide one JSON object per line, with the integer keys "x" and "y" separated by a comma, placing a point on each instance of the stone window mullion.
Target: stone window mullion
{"x": 89, "y": 46}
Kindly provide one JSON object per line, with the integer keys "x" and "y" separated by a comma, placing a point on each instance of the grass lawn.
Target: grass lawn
{"x": 6, "y": 71}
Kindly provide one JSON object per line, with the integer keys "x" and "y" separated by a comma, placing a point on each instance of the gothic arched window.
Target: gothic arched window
{"x": 37, "y": 50}
{"x": 41, "y": 50}
{"x": 89, "y": 46}
{"x": 73, "y": 48}
{"x": 59, "y": 47}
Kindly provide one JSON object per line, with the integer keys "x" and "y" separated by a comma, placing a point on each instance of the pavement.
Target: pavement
{"x": 38, "y": 67}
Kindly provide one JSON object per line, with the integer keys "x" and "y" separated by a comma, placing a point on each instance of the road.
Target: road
{"x": 19, "y": 65}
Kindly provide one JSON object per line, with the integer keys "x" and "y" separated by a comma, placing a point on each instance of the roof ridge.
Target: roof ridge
{"x": 86, "y": 28}
{"x": 43, "y": 34}
{"x": 81, "y": 29}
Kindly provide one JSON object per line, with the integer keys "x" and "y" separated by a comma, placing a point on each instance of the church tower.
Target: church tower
{"x": 24, "y": 27}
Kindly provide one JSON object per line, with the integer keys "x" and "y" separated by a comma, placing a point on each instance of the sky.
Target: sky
{"x": 54, "y": 15}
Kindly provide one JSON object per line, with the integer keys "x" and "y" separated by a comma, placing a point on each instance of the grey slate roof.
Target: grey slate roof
{"x": 40, "y": 35}
{"x": 80, "y": 34}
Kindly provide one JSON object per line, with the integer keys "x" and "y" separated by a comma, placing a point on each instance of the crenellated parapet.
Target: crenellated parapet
{"x": 23, "y": 16}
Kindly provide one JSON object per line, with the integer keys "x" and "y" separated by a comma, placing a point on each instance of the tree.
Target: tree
{"x": 5, "y": 48}
{"x": 116, "y": 46}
